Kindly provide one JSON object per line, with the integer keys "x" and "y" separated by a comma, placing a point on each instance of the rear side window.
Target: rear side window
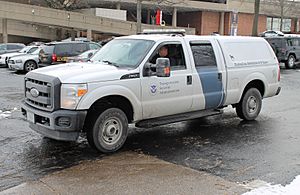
{"x": 203, "y": 54}
{"x": 275, "y": 42}
{"x": 79, "y": 48}
{"x": 295, "y": 42}
{"x": 47, "y": 49}
{"x": 63, "y": 49}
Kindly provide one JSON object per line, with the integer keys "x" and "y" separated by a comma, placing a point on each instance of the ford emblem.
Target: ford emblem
{"x": 34, "y": 92}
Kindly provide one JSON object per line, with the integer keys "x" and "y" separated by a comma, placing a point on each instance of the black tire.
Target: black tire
{"x": 109, "y": 131}
{"x": 29, "y": 66}
{"x": 250, "y": 105}
{"x": 290, "y": 63}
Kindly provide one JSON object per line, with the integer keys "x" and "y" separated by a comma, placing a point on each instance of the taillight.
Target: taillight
{"x": 278, "y": 72}
{"x": 54, "y": 57}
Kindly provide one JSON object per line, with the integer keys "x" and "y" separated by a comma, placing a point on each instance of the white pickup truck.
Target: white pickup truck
{"x": 127, "y": 81}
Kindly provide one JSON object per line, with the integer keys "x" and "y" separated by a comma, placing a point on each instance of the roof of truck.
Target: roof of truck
{"x": 157, "y": 37}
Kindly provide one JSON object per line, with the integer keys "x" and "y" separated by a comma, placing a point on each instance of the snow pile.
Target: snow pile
{"x": 6, "y": 114}
{"x": 291, "y": 189}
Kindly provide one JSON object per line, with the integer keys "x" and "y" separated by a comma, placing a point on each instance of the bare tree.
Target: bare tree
{"x": 255, "y": 20}
{"x": 67, "y": 4}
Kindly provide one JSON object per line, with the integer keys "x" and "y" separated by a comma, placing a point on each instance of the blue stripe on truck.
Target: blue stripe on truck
{"x": 212, "y": 87}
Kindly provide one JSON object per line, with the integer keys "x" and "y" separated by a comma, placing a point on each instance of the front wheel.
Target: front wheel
{"x": 109, "y": 132}
{"x": 250, "y": 105}
{"x": 29, "y": 66}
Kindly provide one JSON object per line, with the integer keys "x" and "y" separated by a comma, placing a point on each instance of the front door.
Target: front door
{"x": 168, "y": 95}
{"x": 209, "y": 75}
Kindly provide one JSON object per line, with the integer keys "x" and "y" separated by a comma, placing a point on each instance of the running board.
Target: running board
{"x": 176, "y": 118}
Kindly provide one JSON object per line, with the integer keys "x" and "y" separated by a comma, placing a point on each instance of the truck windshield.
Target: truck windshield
{"x": 123, "y": 52}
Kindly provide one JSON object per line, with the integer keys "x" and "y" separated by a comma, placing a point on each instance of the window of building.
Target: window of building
{"x": 203, "y": 55}
{"x": 274, "y": 24}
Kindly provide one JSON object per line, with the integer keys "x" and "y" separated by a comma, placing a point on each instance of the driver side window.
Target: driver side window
{"x": 174, "y": 52}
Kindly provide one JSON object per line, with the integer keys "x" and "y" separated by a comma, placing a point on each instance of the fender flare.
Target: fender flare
{"x": 90, "y": 98}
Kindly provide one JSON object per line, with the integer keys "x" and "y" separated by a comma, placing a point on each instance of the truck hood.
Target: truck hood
{"x": 24, "y": 56}
{"x": 83, "y": 72}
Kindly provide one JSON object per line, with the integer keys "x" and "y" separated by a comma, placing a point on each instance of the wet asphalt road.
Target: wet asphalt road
{"x": 267, "y": 149}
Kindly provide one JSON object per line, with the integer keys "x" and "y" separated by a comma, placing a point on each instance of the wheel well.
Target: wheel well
{"x": 258, "y": 84}
{"x": 29, "y": 61}
{"x": 104, "y": 103}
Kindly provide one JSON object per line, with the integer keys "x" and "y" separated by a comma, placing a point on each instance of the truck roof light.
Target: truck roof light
{"x": 164, "y": 31}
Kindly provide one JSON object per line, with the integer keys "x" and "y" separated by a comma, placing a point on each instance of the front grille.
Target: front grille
{"x": 45, "y": 94}
{"x": 44, "y": 99}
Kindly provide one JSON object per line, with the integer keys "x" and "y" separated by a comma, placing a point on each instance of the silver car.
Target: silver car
{"x": 25, "y": 62}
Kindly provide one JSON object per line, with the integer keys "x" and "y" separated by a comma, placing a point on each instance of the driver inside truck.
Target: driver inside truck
{"x": 163, "y": 52}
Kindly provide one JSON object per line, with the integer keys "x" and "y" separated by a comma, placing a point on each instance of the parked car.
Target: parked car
{"x": 287, "y": 49}
{"x": 24, "y": 62}
{"x": 84, "y": 57}
{"x": 5, "y": 57}
{"x": 10, "y": 47}
{"x": 59, "y": 52}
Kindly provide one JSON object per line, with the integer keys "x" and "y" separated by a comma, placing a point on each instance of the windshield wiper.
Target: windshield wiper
{"x": 110, "y": 63}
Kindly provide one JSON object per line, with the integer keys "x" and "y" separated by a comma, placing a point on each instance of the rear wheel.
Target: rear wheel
{"x": 290, "y": 63}
{"x": 250, "y": 105}
{"x": 109, "y": 132}
{"x": 29, "y": 66}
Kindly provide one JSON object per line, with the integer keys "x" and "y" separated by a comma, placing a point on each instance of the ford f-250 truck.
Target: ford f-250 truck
{"x": 128, "y": 82}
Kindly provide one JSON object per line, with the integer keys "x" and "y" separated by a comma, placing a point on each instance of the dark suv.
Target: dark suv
{"x": 10, "y": 47}
{"x": 287, "y": 49}
{"x": 58, "y": 52}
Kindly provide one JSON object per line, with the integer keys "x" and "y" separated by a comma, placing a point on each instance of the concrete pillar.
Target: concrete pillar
{"x": 139, "y": 16}
{"x": 73, "y": 32}
{"x": 174, "y": 17}
{"x": 118, "y": 6}
{"x": 4, "y": 31}
{"x": 221, "y": 23}
{"x": 148, "y": 16}
{"x": 89, "y": 35}
{"x": 78, "y": 33}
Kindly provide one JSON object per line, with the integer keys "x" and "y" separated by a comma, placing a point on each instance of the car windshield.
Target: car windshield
{"x": 123, "y": 52}
{"x": 24, "y": 50}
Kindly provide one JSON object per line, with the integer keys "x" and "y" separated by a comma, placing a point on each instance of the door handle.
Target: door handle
{"x": 189, "y": 80}
{"x": 220, "y": 76}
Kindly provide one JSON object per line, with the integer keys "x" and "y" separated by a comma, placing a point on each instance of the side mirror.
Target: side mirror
{"x": 163, "y": 68}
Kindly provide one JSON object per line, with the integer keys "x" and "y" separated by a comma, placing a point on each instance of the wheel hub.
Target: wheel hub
{"x": 252, "y": 104}
{"x": 111, "y": 131}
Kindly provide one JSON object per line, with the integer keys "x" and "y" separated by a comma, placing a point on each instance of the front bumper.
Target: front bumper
{"x": 16, "y": 66}
{"x": 47, "y": 123}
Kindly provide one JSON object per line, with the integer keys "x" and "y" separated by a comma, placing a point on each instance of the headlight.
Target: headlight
{"x": 71, "y": 95}
{"x": 18, "y": 61}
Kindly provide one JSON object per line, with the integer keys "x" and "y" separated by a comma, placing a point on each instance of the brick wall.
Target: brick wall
{"x": 245, "y": 23}
{"x": 210, "y": 22}
{"x": 191, "y": 19}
